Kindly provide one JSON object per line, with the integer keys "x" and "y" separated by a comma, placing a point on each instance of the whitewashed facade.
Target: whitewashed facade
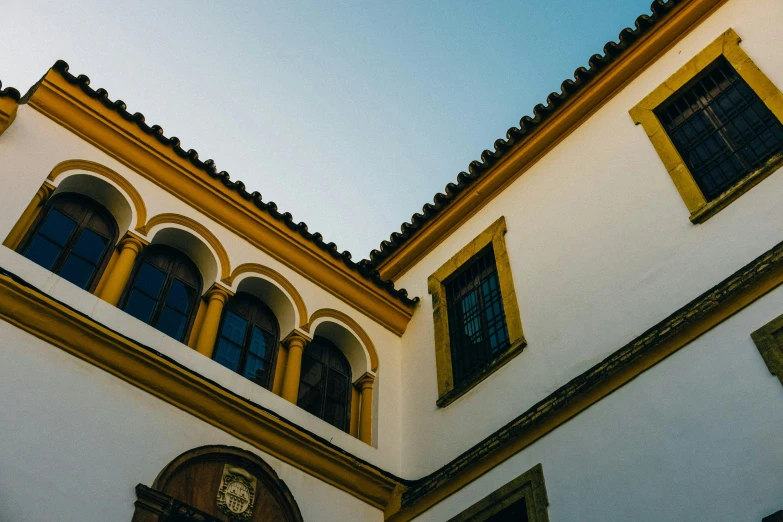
{"x": 601, "y": 250}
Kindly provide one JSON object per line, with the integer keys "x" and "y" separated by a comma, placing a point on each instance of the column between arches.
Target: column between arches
{"x": 28, "y": 216}
{"x": 216, "y": 299}
{"x": 116, "y": 278}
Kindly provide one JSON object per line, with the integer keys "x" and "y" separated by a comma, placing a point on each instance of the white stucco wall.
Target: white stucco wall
{"x": 34, "y": 145}
{"x": 601, "y": 248}
{"x": 75, "y": 441}
{"x": 695, "y": 438}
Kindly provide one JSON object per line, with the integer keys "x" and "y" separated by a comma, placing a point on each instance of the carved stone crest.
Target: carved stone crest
{"x": 237, "y": 493}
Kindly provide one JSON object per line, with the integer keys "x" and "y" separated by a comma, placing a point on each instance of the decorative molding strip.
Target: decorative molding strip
{"x": 106, "y": 172}
{"x": 79, "y": 335}
{"x": 565, "y": 112}
{"x": 68, "y": 101}
{"x": 676, "y": 331}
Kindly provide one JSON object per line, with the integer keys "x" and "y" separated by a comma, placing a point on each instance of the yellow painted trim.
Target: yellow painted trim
{"x": 197, "y": 322}
{"x": 282, "y": 359}
{"x": 574, "y": 112}
{"x": 769, "y": 342}
{"x": 365, "y": 383}
{"x": 195, "y": 226}
{"x": 109, "y": 269}
{"x": 353, "y": 326}
{"x": 106, "y": 172}
{"x": 216, "y": 298}
{"x": 113, "y": 283}
{"x": 29, "y": 215}
{"x": 296, "y": 342}
{"x": 275, "y": 276}
{"x": 529, "y": 486}
{"x": 8, "y": 108}
{"x": 737, "y": 295}
{"x": 69, "y": 106}
{"x": 63, "y": 327}
{"x": 726, "y": 45}
{"x": 353, "y": 430}
{"x": 494, "y": 234}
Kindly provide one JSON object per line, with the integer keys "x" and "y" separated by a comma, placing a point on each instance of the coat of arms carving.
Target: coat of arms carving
{"x": 236, "y": 493}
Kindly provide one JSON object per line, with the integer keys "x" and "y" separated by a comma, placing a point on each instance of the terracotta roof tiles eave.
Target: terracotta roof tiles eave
{"x": 208, "y": 166}
{"x": 9, "y": 92}
{"x": 515, "y": 136}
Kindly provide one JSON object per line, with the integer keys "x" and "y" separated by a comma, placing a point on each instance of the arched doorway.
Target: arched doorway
{"x": 216, "y": 484}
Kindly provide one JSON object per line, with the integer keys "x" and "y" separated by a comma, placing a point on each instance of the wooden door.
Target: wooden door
{"x": 226, "y": 484}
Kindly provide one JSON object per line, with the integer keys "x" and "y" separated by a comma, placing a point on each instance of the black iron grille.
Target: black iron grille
{"x": 477, "y": 321}
{"x": 721, "y": 128}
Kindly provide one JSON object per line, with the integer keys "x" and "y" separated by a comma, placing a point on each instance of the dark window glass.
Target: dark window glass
{"x": 325, "y": 383}
{"x": 72, "y": 238}
{"x": 249, "y": 335}
{"x": 477, "y": 321}
{"x": 516, "y": 512}
{"x": 721, "y": 128}
{"x": 164, "y": 291}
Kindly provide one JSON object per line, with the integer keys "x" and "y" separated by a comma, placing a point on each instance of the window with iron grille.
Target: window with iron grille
{"x": 477, "y": 323}
{"x": 721, "y": 128}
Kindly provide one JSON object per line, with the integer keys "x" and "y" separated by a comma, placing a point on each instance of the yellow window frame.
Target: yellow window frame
{"x": 530, "y": 486}
{"x": 727, "y": 45}
{"x": 494, "y": 234}
{"x": 769, "y": 342}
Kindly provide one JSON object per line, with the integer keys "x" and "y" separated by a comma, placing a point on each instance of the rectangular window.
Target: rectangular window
{"x": 477, "y": 322}
{"x": 721, "y": 128}
{"x": 716, "y": 126}
{"x": 475, "y": 312}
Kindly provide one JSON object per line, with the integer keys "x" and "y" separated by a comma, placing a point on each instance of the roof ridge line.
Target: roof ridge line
{"x": 515, "y": 135}
{"x": 208, "y": 166}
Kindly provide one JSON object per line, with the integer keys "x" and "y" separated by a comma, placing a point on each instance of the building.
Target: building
{"x": 590, "y": 326}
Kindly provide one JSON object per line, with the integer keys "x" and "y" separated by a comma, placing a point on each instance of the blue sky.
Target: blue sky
{"x": 350, "y": 115}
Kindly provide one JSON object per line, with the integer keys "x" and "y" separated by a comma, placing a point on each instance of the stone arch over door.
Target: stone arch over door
{"x": 216, "y": 484}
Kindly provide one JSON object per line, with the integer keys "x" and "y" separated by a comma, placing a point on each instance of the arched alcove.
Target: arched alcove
{"x": 346, "y": 341}
{"x": 279, "y": 289}
{"x": 273, "y": 296}
{"x": 77, "y": 167}
{"x": 344, "y": 328}
{"x": 104, "y": 193}
{"x": 219, "y": 254}
{"x": 193, "y": 246}
{"x": 226, "y": 483}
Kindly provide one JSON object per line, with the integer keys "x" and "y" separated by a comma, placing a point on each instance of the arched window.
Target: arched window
{"x": 164, "y": 291}
{"x": 248, "y": 339}
{"x": 325, "y": 385}
{"x": 73, "y": 237}
{"x": 215, "y": 484}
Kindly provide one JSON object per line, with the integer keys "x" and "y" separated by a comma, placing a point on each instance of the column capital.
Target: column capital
{"x": 217, "y": 292}
{"x": 365, "y": 381}
{"x": 296, "y": 338}
{"x": 45, "y": 191}
{"x": 133, "y": 242}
